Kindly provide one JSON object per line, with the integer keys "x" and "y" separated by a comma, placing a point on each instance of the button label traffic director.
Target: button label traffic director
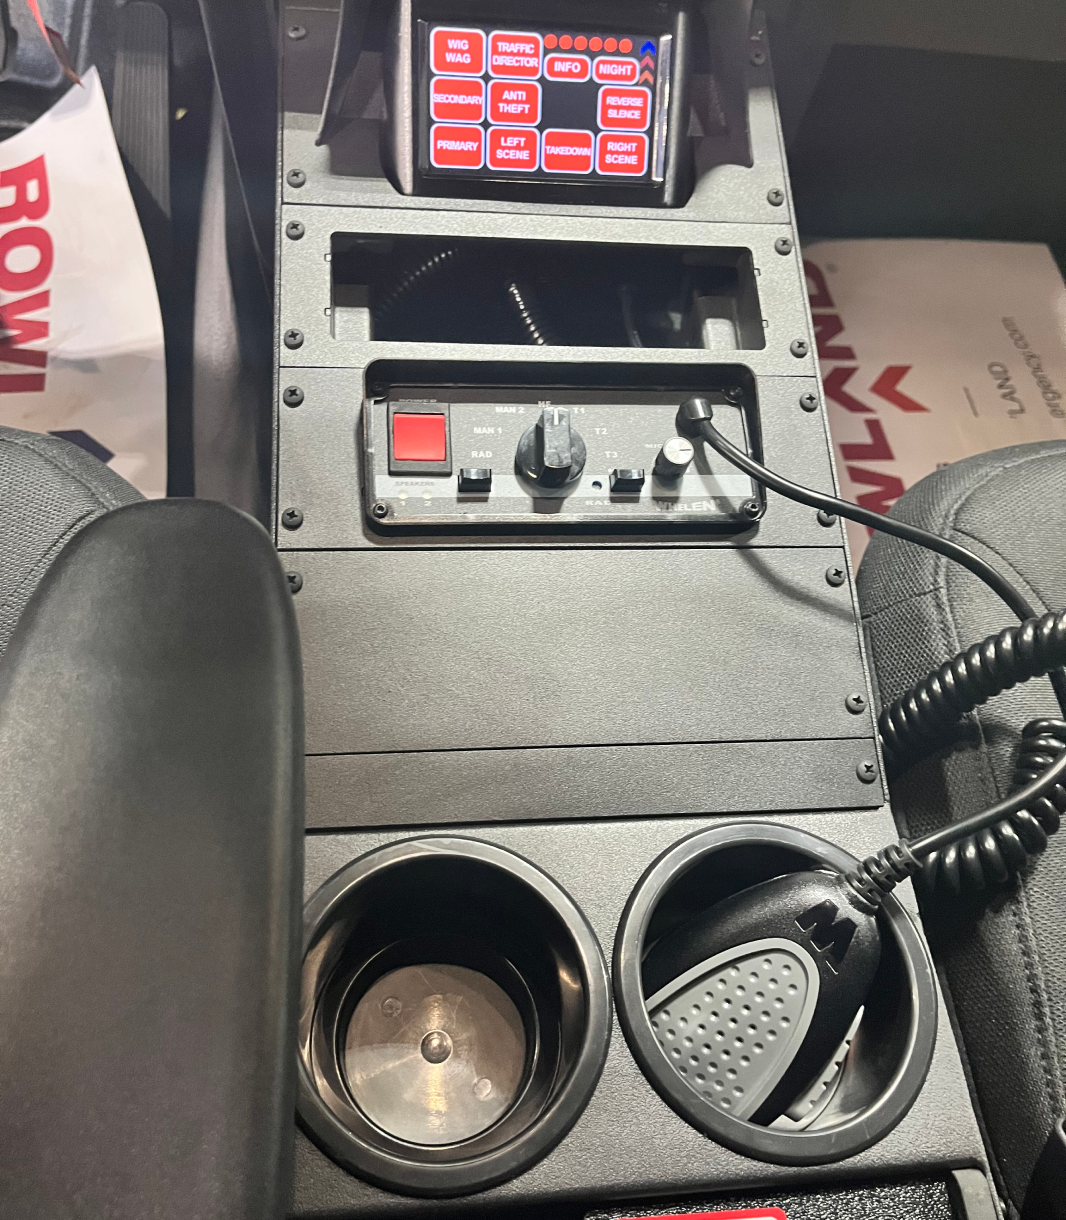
{"x": 625, "y": 109}
{"x": 608, "y": 70}
{"x": 456, "y": 147}
{"x": 567, "y": 67}
{"x": 567, "y": 152}
{"x": 622, "y": 154}
{"x": 514, "y": 102}
{"x": 513, "y": 148}
{"x": 514, "y": 54}
{"x": 459, "y": 52}
{"x": 419, "y": 438}
{"x": 457, "y": 98}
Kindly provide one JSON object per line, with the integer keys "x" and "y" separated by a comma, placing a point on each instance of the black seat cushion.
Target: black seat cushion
{"x": 1005, "y": 962}
{"x": 49, "y": 490}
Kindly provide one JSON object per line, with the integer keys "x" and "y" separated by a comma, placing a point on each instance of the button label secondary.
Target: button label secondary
{"x": 456, "y": 147}
{"x": 514, "y": 54}
{"x": 608, "y": 70}
{"x": 624, "y": 109}
{"x": 514, "y": 102}
{"x": 622, "y": 154}
{"x": 513, "y": 148}
{"x": 567, "y": 152}
{"x": 567, "y": 67}
{"x": 458, "y": 99}
{"x": 457, "y": 51}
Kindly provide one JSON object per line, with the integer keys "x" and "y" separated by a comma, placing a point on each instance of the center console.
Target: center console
{"x": 571, "y": 679}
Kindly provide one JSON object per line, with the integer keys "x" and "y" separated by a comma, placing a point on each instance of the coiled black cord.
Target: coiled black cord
{"x": 984, "y": 851}
{"x": 534, "y": 325}
{"x": 410, "y": 279}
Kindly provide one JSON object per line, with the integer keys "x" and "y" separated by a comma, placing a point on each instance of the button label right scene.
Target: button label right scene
{"x": 621, "y": 154}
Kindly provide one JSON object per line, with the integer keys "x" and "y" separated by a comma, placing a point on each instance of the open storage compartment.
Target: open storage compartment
{"x": 454, "y": 1016}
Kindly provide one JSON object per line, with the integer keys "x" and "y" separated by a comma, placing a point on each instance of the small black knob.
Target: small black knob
{"x": 551, "y": 452}
{"x": 674, "y": 458}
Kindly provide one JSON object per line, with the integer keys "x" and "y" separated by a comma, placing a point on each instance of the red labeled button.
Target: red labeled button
{"x": 609, "y": 69}
{"x": 567, "y": 152}
{"x": 514, "y": 102}
{"x": 513, "y": 148}
{"x": 625, "y": 109}
{"x": 419, "y": 438}
{"x": 457, "y": 52}
{"x": 567, "y": 67}
{"x": 512, "y": 54}
{"x": 456, "y": 147}
{"x": 622, "y": 154}
{"x": 456, "y": 98}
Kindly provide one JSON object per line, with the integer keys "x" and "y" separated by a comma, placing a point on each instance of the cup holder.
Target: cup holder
{"x": 861, "y": 1093}
{"x": 454, "y": 1016}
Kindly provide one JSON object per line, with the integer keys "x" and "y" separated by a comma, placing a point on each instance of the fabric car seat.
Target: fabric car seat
{"x": 1003, "y": 960}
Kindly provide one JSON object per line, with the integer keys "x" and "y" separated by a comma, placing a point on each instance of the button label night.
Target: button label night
{"x": 514, "y": 102}
{"x": 456, "y": 147}
{"x": 567, "y": 152}
{"x": 513, "y": 149}
{"x": 459, "y": 52}
{"x": 457, "y": 99}
{"x": 622, "y": 154}
{"x": 624, "y": 109}
{"x": 616, "y": 71}
{"x": 514, "y": 54}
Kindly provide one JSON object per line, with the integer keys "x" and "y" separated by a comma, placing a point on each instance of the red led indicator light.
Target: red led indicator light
{"x": 580, "y": 43}
{"x": 610, "y": 44}
{"x": 566, "y": 42}
{"x": 626, "y": 45}
{"x": 458, "y": 52}
{"x": 595, "y": 44}
{"x": 550, "y": 42}
{"x": 617, "y": 154}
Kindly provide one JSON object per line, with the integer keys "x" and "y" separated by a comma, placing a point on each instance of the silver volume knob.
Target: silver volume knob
{"x": 673, "y": 458}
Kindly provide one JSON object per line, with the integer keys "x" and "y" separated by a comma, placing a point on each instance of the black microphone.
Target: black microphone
{"x": 752, "y": 998}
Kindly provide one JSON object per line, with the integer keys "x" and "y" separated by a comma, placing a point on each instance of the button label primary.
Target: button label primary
{"x": 456, "y": 147}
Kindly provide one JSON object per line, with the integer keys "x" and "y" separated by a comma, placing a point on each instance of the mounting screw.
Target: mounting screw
{"x": 799, "y": 348}
{"x": 783, "y": 245}
{"x": 825, "y": 518}
{"x": 809, "y": 402}
{"x": 380, "y": 510}
{"x": 758, "y": 58}
{"x": 776, "y": 196}
{"x": 835, "y": 575}
{"x": 856, "y": 704}
{"x": 292, "y": 518}
{"x": 293, "y": 396}
{"x": 296, "y": 582}
{"x": 735, "y": 394}
{"x": 294, "y": 338}
{"x": 750, "y": 508}
{"x": 296, "y": 177}
{"x": 295, "y": 230}
{"x": 296, "y": 32}
{"x": 866, "y": 771}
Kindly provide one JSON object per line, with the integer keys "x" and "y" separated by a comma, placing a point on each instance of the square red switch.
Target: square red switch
{"x": 421, "y": 437}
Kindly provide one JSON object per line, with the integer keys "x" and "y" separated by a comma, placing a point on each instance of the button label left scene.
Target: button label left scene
{"x": 456, "y": 147}
{"x": 458, "y": 51}
{"x": 457, "y": 99}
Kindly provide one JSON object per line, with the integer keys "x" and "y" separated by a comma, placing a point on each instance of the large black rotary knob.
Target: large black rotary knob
{"x": 551, "y": 452}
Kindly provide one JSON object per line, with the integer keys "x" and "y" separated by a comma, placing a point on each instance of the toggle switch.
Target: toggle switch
{"x": 626, "y": 482}
{"x": 475, "y": 479}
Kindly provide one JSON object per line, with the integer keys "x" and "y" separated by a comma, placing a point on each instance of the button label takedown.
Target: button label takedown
{"x": 567, "y": 152}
